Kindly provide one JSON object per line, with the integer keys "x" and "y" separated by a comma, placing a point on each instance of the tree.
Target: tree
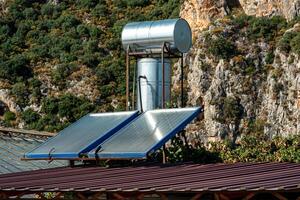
{"x": 29, "y": 116}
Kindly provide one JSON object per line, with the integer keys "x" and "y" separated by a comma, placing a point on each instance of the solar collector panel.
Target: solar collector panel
{"x": 82, "y": 136}
{"x": 145, "y": 134}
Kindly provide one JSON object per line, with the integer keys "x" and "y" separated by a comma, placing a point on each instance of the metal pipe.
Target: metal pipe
{"x": 127, "y": 79}
{"x": 140, "y": 92}
{"x": 170, "y": 89}
{"x": 134, "y": 82}
{"x": 163, "y": 94}
{"x": 164, "y": 156}
{"x": 181, "y": 79}
{"x": 297, "y": 106}
{"x": 163, "y": 75}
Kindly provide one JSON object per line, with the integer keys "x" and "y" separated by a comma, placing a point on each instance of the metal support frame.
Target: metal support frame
{"x": 134, "y": 84}
{"x": 165, "y": 53}
{"x": 127, "y": 77}
{"x": 163, "y": 75}
{"x": 181, "y": 80}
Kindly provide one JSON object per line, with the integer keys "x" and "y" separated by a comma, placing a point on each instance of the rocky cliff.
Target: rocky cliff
{"x": 245, "y": 70}
{"x": 200, "y": 13}
{"x": 61, "y": 60}
{"x": 287, "y": 8}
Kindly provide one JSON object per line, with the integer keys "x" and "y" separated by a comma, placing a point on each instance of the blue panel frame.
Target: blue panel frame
{"x": 89, "y": 147}
{"x": 143, "y": 155}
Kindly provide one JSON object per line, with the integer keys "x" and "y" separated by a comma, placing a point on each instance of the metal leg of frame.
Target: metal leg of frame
{"x": 163, "y": 75}
{"x": 134, "y": 83}
{"x": 181, "y": 81}
{"x": 163, "y": 92}
{"x": 127, "y": 79}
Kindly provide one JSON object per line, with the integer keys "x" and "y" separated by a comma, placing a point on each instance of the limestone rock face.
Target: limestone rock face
{"x": 268, "y": 94}
{"x": 9, "y": 101}
{"x": 3, "y": 7}
{"x": 200, "y": 13}
{"x": 287, "y": 8}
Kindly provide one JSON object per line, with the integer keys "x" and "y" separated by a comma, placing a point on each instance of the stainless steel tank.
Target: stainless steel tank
{"x": 149, "y": 74}
{"x": 150, "y": 35}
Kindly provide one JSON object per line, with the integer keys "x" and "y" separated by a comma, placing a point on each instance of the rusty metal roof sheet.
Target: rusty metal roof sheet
{"x": 179, "y": 178}
{"x": 12, "y": 149}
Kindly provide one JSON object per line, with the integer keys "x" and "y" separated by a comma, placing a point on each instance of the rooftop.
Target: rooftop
{"x": 224, "y": 179}
{"x": 12, "y": 148}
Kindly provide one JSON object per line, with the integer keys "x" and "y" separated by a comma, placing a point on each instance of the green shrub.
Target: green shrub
{"x": 260, "y": 148}
{"x": 62, "y": 72}
{"x": 270, "y": 57}
{"x": 29, "y": 116}
{"x": 49, "y": 123}
{"x": 47, "y": 9}
{"x": 133, "y": 3}
{"x": 73, "y": 107}
{"x": 263, "y": 27}
{"x": 94, "y": 32}
{"x": 295, "y": 44}
{"x": 86, "y": 3}
{"x": 232, "y": 109}
{"x": 284, "y": 43}
{"x": 15, "y": 68}
{"x": 9, "y": 116}
{"x": 241, "y": 21}
{"x": 50, "y": 106}
{"x": 82, "y": 30}
{"x": 30, "y": 13}
{"x": 20, "y": 91}
{"x": 67, "y": 22}
{"x": 100, "y": 10}
{"x": 221, "y": 48}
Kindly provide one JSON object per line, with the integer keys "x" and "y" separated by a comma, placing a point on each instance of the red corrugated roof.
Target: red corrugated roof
{"x": 178, "y": 178}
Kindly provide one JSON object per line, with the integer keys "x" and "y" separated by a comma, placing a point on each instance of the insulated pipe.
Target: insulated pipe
{"x": 140, "y": 93}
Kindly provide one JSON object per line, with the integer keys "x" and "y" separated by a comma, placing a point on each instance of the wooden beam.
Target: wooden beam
{"x": 279, "y": 196}
{"x": 197, "y": 196}
{"x": 224, "y": 197}
{"x": 249, "y": 196}
{"x": 216, "y": 196}
{"x": 30, "y": 132}
{"x": 140, "y": 196}
{"x": 57, "y": 196}
{"x": 97, "y": 195}
{"x": 80, "y": 196}
{"x": 118, "y": 196}
{"x": 163, "y": 196}
{"x": 3, "y": 195}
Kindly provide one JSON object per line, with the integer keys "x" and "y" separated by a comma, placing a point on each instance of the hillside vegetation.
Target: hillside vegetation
{"x": 242, "y": 68}
{"x": 44, "y": 44}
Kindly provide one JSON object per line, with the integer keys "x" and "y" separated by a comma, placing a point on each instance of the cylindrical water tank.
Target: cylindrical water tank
{"x": 150, "y": 73}
{"x": 150, "y": 35}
